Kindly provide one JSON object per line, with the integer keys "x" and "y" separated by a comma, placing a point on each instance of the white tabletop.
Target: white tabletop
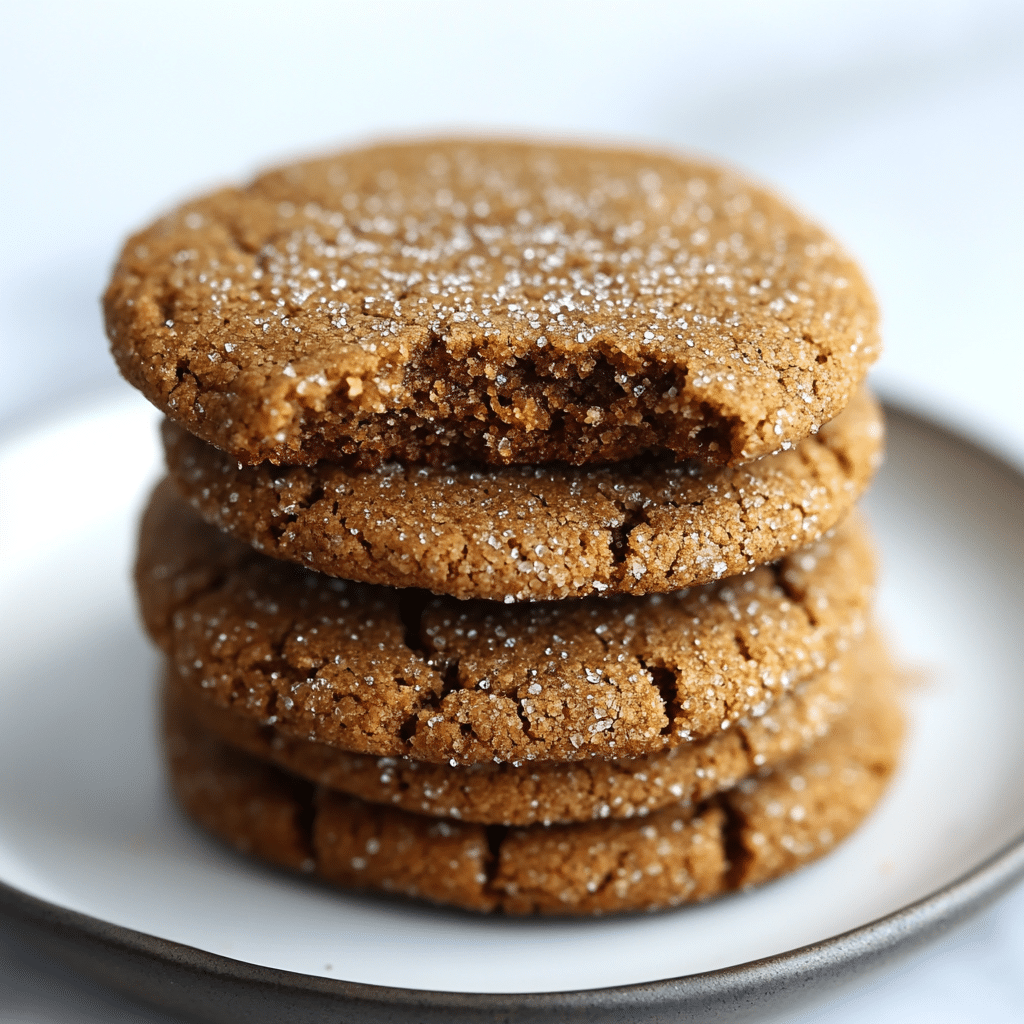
{"x": 896, "y": 123}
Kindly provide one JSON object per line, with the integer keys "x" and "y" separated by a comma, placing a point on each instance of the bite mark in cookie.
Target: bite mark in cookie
{"x": 495, "y": 301}
{"x": 537, "y": 533}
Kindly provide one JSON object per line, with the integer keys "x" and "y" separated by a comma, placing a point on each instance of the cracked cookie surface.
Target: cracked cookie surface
{"x": 537, "y": 533}
{"x": 502, "y": 794}
{"x": 763, "y": 828}
{"x": 495, "y": 301}
{"x": 398, "y": 672}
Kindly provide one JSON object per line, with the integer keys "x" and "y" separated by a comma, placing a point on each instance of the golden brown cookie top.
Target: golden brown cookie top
{"x": 397, "y": 673}
{"x": 761, "y": 829}
{"x": 501, "y": 301}
{"x": 528, "y": 533}
{"x": 502, "y": 794}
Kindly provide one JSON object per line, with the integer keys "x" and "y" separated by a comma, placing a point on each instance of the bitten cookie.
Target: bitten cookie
{"x": 503, "y": 794}
{"x": 537, "y": 533}
{"x": 396, "y": 672}
{"x": 762, "y": 829}
{"x": 493, "y": 301}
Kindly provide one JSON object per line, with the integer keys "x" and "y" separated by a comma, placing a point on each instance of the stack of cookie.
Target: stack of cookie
{"x": 507, "y": 556}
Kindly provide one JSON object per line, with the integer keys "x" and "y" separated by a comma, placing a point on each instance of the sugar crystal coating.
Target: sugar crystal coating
{"x": 507, "y": 794}
{"x": 375, "y": 670}
{"x": 763, "y": 828}
{"x": 537, "y": 533}
{"x": 497, "y": 301}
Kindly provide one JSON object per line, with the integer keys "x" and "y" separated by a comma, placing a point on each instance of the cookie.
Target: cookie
{"x": 400, "y": 673}
{"x": 503, "y": 794}
{"x": 537, "y": 533}
{"x": 503, "y": 302}
{"x": 762, "y": 829}
{"x": 258, "y": 808}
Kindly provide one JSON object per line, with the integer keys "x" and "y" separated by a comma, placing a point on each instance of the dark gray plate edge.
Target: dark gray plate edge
{"x": 209, "y": 987}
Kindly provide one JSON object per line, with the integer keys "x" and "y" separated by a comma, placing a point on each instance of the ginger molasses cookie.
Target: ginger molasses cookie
{"x": 763, "y": 828}
{"x": 505, "y": 794}
{"x": 257, "y": 807}
{"x": 503, "y": 302}
{"x": 397, "y": 672}
{"x": 537, "y": 533}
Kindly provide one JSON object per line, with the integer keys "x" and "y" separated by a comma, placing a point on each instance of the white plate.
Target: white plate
{"x": 86, "y": 823}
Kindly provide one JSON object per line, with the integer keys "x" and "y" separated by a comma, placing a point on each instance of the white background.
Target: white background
{"x": 898, "y": 124}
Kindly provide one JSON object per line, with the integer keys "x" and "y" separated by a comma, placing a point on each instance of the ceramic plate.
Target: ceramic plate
{"x": 87, "y": 828}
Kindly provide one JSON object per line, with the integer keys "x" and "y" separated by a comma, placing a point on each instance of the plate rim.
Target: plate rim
{"x": 209, "y": 986}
